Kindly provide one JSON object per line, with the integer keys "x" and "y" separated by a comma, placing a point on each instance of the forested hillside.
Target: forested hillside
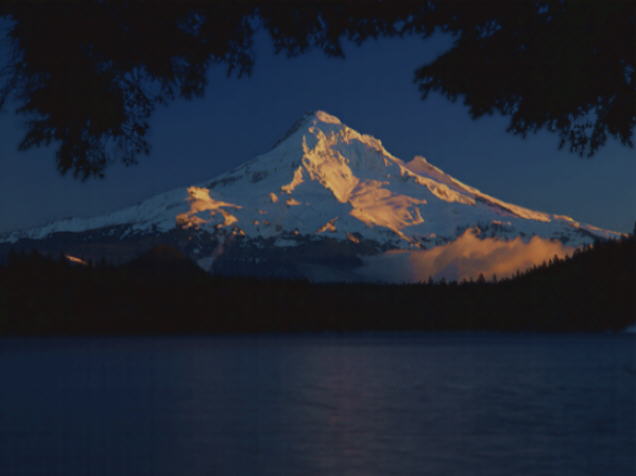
{"x": 163, "y": 292}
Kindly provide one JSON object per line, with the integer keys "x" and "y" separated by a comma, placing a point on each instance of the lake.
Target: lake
{"x": 332, "y": 404}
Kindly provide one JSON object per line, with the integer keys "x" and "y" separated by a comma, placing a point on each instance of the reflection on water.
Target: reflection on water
{"x": 368, "y": 405}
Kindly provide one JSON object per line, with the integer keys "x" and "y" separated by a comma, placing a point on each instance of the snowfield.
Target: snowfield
{"x": 324, "y": 179}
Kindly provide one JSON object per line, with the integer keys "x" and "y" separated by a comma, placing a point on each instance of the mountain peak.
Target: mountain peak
{"x": 325, "y": 179}
{"x": 310, "y": 119}
{"x": 323, "y": 116}
{"x": 318, "y": 118}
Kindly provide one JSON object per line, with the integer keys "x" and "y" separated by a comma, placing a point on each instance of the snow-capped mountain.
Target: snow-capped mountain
{"x": 324, "y": 191}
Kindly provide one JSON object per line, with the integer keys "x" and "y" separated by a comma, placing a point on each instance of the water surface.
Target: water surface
{"x": 380, "y": 404}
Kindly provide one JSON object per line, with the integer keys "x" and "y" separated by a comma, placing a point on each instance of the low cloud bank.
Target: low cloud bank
{"x": 465, "y": 258}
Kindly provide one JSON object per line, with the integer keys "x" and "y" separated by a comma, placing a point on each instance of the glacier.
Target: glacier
{"x": 324, "y": 182}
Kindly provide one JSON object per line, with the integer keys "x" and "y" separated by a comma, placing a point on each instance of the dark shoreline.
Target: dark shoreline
{"x": 592, "y": 291}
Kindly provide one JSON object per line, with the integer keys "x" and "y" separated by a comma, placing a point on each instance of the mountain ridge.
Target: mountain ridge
{"x": 326, "y": 181}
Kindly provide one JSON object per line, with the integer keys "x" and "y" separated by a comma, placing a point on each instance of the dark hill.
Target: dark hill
{"x": 164, "y": 292}
{"x": 163, "y": 262}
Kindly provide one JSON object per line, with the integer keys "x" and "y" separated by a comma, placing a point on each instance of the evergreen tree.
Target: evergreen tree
{"x": 89, "y": 74}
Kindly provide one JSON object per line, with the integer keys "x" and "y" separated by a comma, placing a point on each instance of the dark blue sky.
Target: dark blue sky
{"x": 371, "y": 91}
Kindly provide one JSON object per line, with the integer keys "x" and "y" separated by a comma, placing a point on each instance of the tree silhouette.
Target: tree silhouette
{"x": 566, "y": 66}
{"x": 591, "y": 291}
{"x": 88, "y": 74}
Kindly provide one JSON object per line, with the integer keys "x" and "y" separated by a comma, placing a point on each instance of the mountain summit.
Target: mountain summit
{"x": 324, "y": 193}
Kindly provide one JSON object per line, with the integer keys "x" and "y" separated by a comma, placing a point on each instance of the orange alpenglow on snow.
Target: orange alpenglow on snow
{"x": 202, "y": 201}
{"x": 325, "y": 184}
{"x": 464, "y": 259}
{"x": 76, "y": 260}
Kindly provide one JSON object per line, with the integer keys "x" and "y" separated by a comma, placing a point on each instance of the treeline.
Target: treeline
{"x": 165, "y": 293}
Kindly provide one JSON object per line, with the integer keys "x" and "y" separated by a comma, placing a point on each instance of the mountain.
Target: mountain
{"x": 327, "y": 203}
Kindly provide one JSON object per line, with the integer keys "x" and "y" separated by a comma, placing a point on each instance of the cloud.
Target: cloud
{"x": 465, "y": 258}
